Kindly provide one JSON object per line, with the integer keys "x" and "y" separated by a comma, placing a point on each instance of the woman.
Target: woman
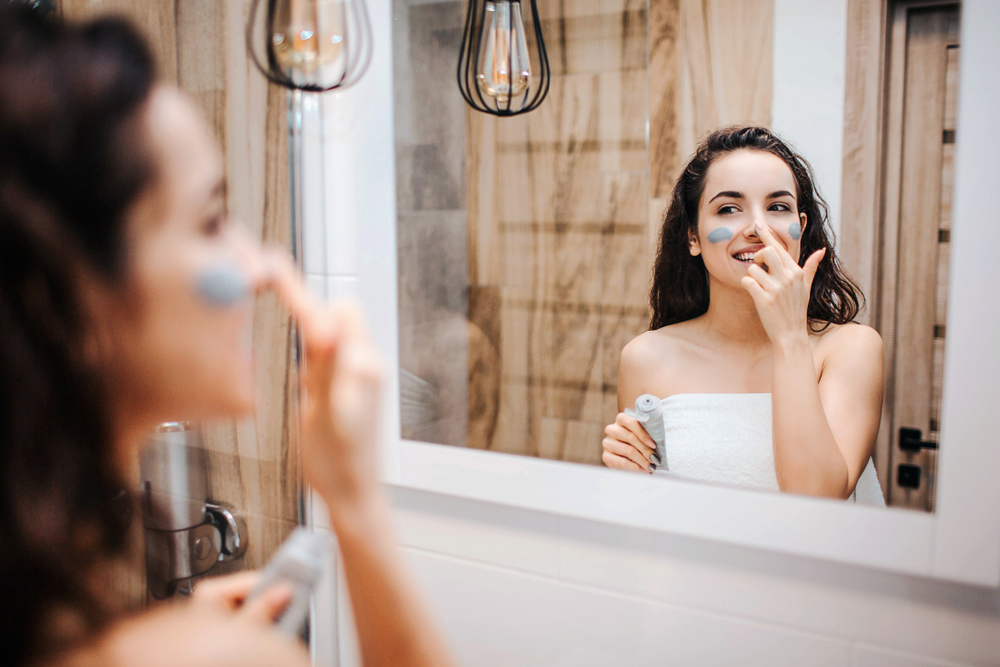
{"x": 766, "y": 380}
{"x": 112, "y": 214}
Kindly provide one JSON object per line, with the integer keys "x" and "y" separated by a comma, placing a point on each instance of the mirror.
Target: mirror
{"x": 526, "y": 244}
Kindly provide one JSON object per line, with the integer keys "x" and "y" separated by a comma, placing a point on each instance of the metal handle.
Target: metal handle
{"x": 911, "y": 440}
{"x": 187, "y": 533}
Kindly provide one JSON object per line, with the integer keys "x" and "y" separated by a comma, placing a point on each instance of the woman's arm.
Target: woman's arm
{"x": 342, "y": 379}
{"x": 221, "y": 632}
{"x": 824, "y": 428}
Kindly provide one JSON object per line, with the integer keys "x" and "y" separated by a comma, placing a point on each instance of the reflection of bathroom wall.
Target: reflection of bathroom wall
{"x": 525, "y": 243}
{"x": 564, "y": 203}
{"x": 199, "y": 45}
{"x": 430, "y": 204}
{"x": 558, "y": 231}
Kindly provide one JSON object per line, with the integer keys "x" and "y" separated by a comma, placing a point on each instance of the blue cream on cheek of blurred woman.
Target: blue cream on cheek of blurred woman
{"x": 795, "y": 231}
{"x": 222, "y": 285}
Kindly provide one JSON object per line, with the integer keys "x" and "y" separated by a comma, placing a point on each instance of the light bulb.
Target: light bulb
{"x": 504, "y": 69}
{"x": 308, "y": 35}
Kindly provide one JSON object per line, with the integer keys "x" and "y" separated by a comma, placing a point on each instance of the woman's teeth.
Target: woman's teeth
{"x": 744, "y": 256}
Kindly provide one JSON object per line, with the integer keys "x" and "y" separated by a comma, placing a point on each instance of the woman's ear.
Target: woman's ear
{"x": 693, "y": 246}
{"x": 804, "y": 219}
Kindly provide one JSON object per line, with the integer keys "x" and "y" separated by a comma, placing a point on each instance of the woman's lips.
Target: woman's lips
{"x": 746, "y": 255}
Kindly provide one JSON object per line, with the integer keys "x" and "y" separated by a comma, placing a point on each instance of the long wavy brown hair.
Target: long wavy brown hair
{"x": 679, "y": 289}
{"x": 72, "y": 161}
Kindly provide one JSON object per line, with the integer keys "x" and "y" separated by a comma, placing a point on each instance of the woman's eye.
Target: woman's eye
{"x": 780, "y": 207}
{"x": 728, "y": 208}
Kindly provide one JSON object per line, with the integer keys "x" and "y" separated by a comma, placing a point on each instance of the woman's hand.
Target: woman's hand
{"x": 781, "y": 292}
{"x": 627, "y": 446}
{"x": 229, "y": 593}
{"x": 197, "y": 635}
{"x": 342, "y": 378}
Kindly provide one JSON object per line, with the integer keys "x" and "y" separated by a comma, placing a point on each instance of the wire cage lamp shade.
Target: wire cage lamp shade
{"x": 311, "y": 45}
{"x": 497, "y": 73}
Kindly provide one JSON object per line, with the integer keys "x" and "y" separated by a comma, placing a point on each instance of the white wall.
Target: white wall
{"x": 514, "y": 587}
{"x": 807, "y": 105}
{"x": 520, "y": 588}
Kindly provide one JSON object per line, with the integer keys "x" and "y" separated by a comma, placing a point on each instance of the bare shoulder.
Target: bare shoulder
{"x": 852, "y": 343}
{"x": 651, "y": 363}
{"x": 651, "y": 348}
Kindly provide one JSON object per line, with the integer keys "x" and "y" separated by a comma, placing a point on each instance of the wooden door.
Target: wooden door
{"x": 912, "y": 301}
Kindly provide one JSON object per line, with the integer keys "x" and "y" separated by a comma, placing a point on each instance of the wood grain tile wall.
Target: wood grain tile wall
{"x": 199, "y": 45}
{"x": 564, "y": 203}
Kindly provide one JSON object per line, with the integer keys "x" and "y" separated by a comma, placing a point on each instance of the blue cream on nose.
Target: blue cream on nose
{"x": 719, "y": 235}
{"x": 795, "y": 231}
{"x": 223, "y": 285}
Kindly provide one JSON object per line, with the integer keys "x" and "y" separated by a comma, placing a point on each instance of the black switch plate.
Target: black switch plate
{"x": 908, "y": 476}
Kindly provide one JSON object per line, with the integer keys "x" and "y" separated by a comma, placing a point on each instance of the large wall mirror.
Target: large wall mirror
{"x": 526, "y": 244}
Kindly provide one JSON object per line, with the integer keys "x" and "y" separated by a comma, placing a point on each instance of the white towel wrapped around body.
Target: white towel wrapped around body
{"x": 727, "y": 439}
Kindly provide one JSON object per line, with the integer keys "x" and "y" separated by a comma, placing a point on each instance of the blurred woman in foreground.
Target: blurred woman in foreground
{"x": 112, "y": 212}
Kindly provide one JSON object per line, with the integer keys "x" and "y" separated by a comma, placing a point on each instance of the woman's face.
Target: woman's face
{"x": 744, "y": 189}
{"x": 179, "y": 351}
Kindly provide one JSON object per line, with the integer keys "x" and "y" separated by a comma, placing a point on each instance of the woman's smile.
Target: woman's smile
{"x": 746, "y": 255}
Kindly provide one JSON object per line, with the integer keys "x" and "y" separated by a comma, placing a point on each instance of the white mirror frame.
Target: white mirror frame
{"x": 959, "y": 542}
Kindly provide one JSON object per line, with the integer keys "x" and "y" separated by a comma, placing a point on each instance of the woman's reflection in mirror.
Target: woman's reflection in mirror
{"x": 766, "y": 379}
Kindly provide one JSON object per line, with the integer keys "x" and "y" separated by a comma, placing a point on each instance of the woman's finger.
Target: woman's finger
{"x": 756, "y": 291}
{"x": 633, "y": 425}
{"x": 812, "y": 264}
{"x": 641, "y": 442}
{"x": 765, "y": 234}
{"x": 626, "y": 450}
{"x": 612, "y": 460}
{"x": 768, "y": 259}
{"x": 267, "y": 607}
{"x": 762, "y": 278}
{"x": 227, "y": 592}
{"x": 318, "y": 328}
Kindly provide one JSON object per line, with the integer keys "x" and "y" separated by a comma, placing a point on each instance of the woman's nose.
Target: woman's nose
{"x": 250, "y": 255}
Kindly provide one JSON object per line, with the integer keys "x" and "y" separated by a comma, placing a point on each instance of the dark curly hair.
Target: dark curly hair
{"x": 72, "y": 160}
{"x": 680, "y": 281}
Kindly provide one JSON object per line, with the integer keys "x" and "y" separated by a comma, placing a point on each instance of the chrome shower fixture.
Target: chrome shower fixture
{"x": 311, "y": 45}
{"x": 496, "y": 72}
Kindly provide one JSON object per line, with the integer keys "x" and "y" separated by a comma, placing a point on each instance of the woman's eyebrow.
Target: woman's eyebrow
{"x": 780, "y": 193}
{"x": 727, "y": 193}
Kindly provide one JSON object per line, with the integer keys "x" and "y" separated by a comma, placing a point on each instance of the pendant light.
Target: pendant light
{"x": 496, "y": 73}
{"x": 312, "y": 45}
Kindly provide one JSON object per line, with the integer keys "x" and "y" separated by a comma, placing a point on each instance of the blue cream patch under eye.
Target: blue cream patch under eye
{"x": 795, "y": 231}
{"x": 223, "y": 285}
{"x": 719, "y": 235}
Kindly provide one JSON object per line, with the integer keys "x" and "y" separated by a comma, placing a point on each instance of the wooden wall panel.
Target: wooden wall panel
{"x": 199, "y": 45}
{"x": 565, "y": 202}
{"x": 864, "y": 101}
{"x": 710, "y": 66}
{"x": 554, "y": 196}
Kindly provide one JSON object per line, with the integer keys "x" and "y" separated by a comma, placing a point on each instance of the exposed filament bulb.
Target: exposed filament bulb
{"x": 504, "y": 70}
{"x": 308, "y": 35}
